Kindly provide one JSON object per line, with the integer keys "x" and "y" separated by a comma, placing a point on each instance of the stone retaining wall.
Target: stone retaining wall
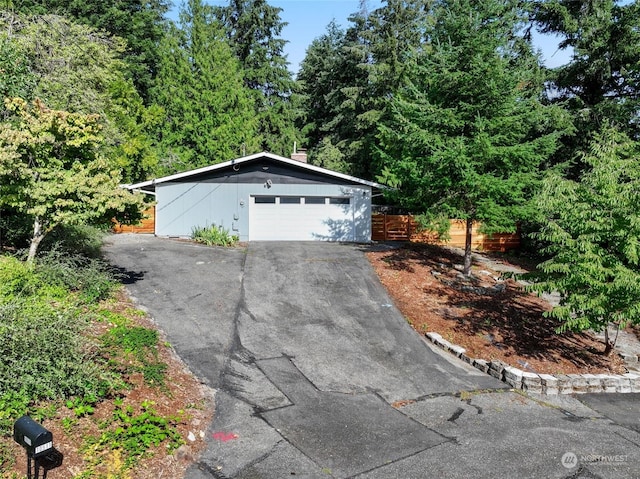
{"x": 545, "y": 383}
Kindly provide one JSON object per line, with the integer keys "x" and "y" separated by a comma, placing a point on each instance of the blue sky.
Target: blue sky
{"x": 308, "y": 19}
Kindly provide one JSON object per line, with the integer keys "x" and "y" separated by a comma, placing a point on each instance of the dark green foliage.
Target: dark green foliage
{"x": 592, "y": 228}
{"x": 209, "y": 115}
{"x": 140, "y": 23}
{"x": 600, "y": 83}
{"x": 17, "y": 77}
{"x": 468, "y": 131}
{"x": 15, "y": 229}
{"x": 253, "y": 30}
{"x": 348, "y": 77}
{"x": 74, "y": 240}
{"x": 333, "y": 83}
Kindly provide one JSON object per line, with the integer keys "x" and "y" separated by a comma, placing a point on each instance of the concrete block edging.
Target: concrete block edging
{"x": 544, "y": 383}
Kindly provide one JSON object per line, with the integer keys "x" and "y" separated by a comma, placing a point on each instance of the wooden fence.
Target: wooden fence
{"x": 146, "y": 226}
{"x": 405, "y": 228}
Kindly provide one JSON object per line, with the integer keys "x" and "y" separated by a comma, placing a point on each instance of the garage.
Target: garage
{"x": 264, "y": 197}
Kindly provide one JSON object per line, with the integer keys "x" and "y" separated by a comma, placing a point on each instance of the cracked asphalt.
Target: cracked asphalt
{"x": 318, "y": 375}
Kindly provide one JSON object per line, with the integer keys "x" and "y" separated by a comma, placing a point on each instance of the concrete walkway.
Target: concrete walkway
{"x": 318, "y": 375}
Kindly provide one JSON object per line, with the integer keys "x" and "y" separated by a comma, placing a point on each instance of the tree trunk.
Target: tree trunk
{"x": 608, "y": 343}
{"x": 38, "y": 235}
{"x": 467, "y": 248}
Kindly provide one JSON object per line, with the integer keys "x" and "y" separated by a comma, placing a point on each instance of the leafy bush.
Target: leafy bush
{"x": 91, "y": 277}
{"x": 213, "y": 236}
{"x": 74, "y": 240}
{"x": 45, "y": 354}
{"x": 43, "y": 319}
{"x": 55, "y": 275}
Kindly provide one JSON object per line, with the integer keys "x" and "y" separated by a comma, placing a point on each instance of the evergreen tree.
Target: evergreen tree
{"x": 253, "y": 29}
{"x": 208, "y": 113}
{"x": 600, "y": 83}
{"x": 349, "y": 76}
{"x": 333, "y": 82}
{"x": 320, "y": 83}
{"x": 17, "y": 78}
{"x": 592, "y": 228}
{"x": 468, "y": 131}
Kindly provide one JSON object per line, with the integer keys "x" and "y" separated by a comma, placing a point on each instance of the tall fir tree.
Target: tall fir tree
{"x": 469, "y": 131}
{"x": 600, "y": 84}
{"x": 332, "y": 81}
{"x": 360, "y": 69}
{"x": 209, "y": 113}
{"x": 253, "y": 29}
{"x": 322, "y": 76}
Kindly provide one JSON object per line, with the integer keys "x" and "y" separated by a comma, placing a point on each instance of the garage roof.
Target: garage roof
{"x": 149, "y": 186}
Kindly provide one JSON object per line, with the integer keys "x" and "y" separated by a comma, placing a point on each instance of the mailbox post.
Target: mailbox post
{"x": 38, "y": 443}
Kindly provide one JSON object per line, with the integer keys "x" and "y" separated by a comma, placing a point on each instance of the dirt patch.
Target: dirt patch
{"x": 491, "y": 317}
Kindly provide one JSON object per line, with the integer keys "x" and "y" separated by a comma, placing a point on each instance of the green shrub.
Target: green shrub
{"x": 45, "y": 353}
{"x": 213, "y": 236}
{"x": 16, "y": 278}
{"x": 91, "y": 277}
{"x": 74, "y": 240}
{"x": 54, "y": 276}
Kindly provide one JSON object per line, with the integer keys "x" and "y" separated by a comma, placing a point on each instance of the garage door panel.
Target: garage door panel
{"x": 301, "y": 221}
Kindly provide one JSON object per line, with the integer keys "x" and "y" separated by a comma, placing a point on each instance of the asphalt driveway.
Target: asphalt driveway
{"x": 308, "y": 356}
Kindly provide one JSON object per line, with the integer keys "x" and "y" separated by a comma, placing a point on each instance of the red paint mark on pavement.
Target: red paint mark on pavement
{"x": 224, "y": 436}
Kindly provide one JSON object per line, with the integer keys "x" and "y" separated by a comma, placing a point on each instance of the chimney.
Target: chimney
{"x": 299, "y": 154}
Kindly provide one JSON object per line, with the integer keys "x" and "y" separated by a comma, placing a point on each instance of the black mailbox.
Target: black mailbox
{"x": 37, "y": 440}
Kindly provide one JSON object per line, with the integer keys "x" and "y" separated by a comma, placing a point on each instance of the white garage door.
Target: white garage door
{"x": 301, "y": 218}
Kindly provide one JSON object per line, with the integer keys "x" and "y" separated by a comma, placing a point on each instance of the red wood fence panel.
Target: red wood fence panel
{"x": 146, "y": 226}
{"x": 405, "y": 228}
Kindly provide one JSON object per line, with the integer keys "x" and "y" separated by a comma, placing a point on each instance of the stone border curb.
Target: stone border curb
{"x": 544, "y": 383}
